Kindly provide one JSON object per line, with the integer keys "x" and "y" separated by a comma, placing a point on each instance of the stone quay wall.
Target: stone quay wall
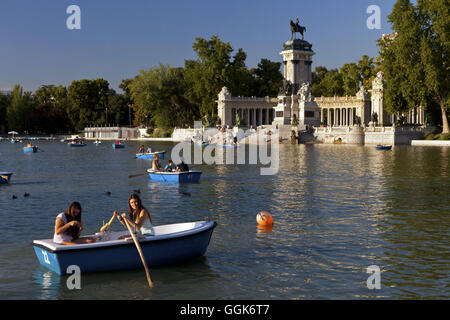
{"x": 370, "y": 135}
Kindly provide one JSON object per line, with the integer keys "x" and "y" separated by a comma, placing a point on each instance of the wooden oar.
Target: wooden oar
{"x": 106, "y": 226}
{"x": 137, "y": 175}
{"x": 138, "y": 247}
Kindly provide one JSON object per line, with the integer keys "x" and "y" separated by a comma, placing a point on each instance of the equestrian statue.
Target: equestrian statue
{"x": 296, "y": 27}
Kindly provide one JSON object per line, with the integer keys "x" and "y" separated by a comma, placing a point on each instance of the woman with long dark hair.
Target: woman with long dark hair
{"x": 68, "y": 226}
{"x": 138, "y": 217}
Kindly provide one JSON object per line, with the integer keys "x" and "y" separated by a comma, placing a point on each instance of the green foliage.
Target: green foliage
{"x": 438, "y": 136}
{"x": 415, "y": 61}
{"x": 4, "y": 102}
{"x": 331, "y": 84}
{"x": 159, "y": 98}
{"x": 267, "y": 78}
{"x": 351, "y": 78}
{"x": 88, "y": 100}
{"x": 367, "y": 71}
{"x": 18, "y": 111}
{"x": 49, "y": 111}
{"x": 210, "y": 72}
{"x": 162, "y": 133}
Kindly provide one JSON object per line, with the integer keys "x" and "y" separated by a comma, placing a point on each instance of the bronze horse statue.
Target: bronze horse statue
{"x": 296, "y": 27}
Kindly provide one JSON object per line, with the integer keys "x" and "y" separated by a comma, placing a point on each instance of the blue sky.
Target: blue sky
{"x": 119, "y": 38}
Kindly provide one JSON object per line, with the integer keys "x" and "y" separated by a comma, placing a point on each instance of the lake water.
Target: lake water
{"x": 337, "y": 211}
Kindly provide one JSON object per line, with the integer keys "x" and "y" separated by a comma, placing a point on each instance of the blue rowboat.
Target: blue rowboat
{"x": 204, "y": 144}
{"x": 171, "y": 243}
{"x": 76, "y": 145}
{"x": 177, "y": 177}
{"x": 5, "y": 177}
{"x": 117, "y": 146}
{"x": 230, "y": 146}
{"x": 151, "y": 156}
{"x": 30, "y": 149}
{"x": 383, "y": 147}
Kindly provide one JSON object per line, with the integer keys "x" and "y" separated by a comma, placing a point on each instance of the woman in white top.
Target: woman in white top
{"x": 68, "y": 227}
{"x": 139, "y": 218}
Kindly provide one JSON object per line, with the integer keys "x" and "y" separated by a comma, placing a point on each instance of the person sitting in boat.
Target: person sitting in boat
{"x": 117, "y": 142}
{"x": 155, "y": 163}
{"x": 29, "y": 145}
{"x": 68, "y": 227}
{"x": 182, "y": 167}
{"x": 139, "y": 218}
{"x": 170, "y": 166}
{"x": 149, "y": 150}
{"x": 141, "y": 149}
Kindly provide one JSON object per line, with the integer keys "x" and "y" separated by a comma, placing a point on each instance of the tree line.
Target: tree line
{"x": 57, "y": 109}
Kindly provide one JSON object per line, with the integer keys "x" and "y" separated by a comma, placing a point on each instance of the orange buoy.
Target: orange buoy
{"x": 264, "y": 219}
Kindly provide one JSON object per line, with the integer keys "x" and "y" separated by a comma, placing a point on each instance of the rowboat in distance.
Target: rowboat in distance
{"x": 5, "y": 177}
{"x": 230, "y": 146}
{"x": 118, "y": 146}
{"x": 151, "y": 155}
{"x": 175, "y": 177}
{"x": 383, "y": 147}
{"x": 97, "y": 142}
{"x": 31, "y": 149}
{"x": 76, "y": 143}
{"x": 205, "y": 144}
{"x": 171, "y": 243}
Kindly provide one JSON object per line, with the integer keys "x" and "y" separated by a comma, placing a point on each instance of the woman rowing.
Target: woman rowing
{"x": 68, "y": 227}
{"x": 139, "y": 218}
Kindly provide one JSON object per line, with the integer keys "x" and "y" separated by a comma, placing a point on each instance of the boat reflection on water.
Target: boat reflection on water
{"x": 49, "y": 284}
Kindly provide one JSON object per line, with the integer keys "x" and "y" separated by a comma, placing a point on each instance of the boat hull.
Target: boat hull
{"x": 122, "y": 254}
{"x": 175, "y": 177}
{"x": 383, "y": 147}
{"x": 5, "y": 177}
{"x": 230, "y": 146}
{"x": 76, "y": 145}
{"x": 30, "y": 149}
{"x": 117, "y": 146}
{"x": 150, "y": 156}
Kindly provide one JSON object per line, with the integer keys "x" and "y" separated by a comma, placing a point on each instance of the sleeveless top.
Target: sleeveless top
{"x": 147, "y": 228}
{"x": 65, "y": 236}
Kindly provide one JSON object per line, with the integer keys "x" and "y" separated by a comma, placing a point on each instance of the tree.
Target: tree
{"x": 267, "y": 78}
{"x": 49, "y": 110}
{"x": 4, "y": 102}
{"x": 159, "y": 98}
{"x": 351, "y": 78}
{"x": 435, "y": 47}
{"x": 213, "y": 70}
{"x": 415, "y": 59}
{"x": 330, "y": 83}
{"x": 367, "y": 71}
{"x": 18, "y": 111}
{"x": 88, "y": 100}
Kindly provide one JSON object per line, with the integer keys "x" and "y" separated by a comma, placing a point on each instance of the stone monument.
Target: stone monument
{"x": 295, "y": 95}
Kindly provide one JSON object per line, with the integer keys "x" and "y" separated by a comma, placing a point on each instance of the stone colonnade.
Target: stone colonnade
{"x": 338, "y": 116}
{"x": 253, "y": 116}
{"x": 414, "y": 116}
